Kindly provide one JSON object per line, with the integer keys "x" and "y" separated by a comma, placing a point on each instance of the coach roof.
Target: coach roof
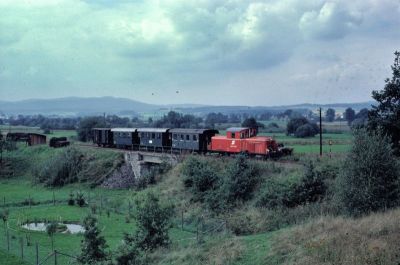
{"x": 123, "y": 129}
{"x": 157, "y": 130}
{"x": 192, "y": 131}
{"x": 237, "y": 129}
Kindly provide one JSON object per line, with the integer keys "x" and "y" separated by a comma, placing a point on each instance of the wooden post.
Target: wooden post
{"x": 182, "y": 221}
{"x": 8, "y": 240}
{"x": 197, "y": 231}
{"x": 54, "y": 199}
{"x": 55, "y": 257}
{"x": 21, "y": 240}
{"x": 37, "y": 253}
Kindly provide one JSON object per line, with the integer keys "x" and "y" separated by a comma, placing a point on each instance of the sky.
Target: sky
{"x": 231, "y": 52}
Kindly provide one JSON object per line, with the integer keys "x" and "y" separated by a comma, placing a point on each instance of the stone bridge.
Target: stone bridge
{"x": 141, "y": 162}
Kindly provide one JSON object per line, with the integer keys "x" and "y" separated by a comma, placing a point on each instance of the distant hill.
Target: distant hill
{"x": 73, "y": 106}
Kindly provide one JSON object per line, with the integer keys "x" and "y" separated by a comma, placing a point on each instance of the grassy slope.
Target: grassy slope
{"x": 7, "y": 259}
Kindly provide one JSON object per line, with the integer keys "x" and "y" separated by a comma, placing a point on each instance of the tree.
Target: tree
{"x": 349, "y": 115}
{"x": 252, "y": 123}
{"x": 86, "y": 125}
{"x": 93, "y": 245}
{"x": 295, "y": 123}
{"x": 386, "y": 115}
{"x": 51, "y": 229}
{"x": 306, "y": 130}
{"x": 153, "y": 220}
{"x": 370, "y": 177}
{"x": 330, "y": 115}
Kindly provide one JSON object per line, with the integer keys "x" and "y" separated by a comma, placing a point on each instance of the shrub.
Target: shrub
{"x": 129, "y": 253}
{"x": 80, "y": 199}
{"x": 199, "y": 176}
{"x": 71, "y": 200}
{"x": 62, "y": 169}
{"x": 370, "y": 177}
{"x": 309, "y": 189}
{"x": 241, "y": 179}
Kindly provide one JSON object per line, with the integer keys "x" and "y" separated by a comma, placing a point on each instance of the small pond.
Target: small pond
{"x": 64, "y": 228}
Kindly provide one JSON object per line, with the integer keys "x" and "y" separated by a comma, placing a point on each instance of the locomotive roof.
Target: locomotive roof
{"x": 236, "y": 129}
{"x": 193, "y": 131}
{"x": 158, "y": 130}
{"x": 123, "y": 129}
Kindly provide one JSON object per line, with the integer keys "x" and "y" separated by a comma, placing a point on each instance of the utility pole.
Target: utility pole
{"x": 320, "y": 131}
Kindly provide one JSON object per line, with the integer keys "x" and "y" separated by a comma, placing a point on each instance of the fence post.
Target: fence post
{"x": 55, "y": 257}
{"x": 182, "y": 221}
{"x": 197, "y": 231}
{"x": 8, "y": 240}
{"x": 37, "y": 253}
{"x": 21, "y": 240}
{"x": 30, "y": 206}
{"x": 54, "y": 199}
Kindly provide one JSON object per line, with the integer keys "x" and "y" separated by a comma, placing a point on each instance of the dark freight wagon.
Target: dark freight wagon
{"x": 125, "y": 137}
{"x": 155, "y": 138}
{"x": 195, "y": 140}
{"x": 103, "y": 136}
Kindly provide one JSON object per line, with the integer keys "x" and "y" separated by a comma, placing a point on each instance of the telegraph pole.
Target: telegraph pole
{"x": 320, "y": 131}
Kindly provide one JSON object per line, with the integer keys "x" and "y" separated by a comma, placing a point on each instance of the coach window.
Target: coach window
{"x": 194, "y": 138}
{"x": 158, "y": 135}
{"x": 187, "y": 137}
{"x": 153, "y": 136}
{"x": 175, "y": 136}
{"x": 181, "y": 137}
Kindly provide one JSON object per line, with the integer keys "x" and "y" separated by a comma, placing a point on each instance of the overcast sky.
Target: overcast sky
{"x": 231, "y": 52}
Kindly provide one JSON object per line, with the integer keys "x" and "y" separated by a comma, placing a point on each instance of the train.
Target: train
{"x": 238, "y": 140}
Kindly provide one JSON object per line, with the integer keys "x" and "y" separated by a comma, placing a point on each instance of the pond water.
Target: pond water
{"x": 70, "y": 228}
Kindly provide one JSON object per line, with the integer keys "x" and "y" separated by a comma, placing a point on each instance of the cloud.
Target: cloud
{"x": 136, "y": 46}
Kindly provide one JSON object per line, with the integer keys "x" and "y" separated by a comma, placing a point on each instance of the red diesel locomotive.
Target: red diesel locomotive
{"x": 246, "y": 141}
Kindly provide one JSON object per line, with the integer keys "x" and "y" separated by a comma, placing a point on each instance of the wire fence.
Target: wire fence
{"x": 18, "y": 242}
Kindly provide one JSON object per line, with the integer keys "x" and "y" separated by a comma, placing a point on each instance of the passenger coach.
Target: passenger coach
{"x": 154, "y": 138}
{"x": 195, "y": 140}
{"x": 126, "y": 138}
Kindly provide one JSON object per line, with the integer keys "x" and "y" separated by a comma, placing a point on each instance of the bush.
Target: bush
{"x": 370, "y": 177}
{"x": 80, "y": 199}
{"x": 62, "y": 169}
{"x": 200, "y": 176}
{"x": 71, "y": 199}
{"x": 309, "y": 189}
{"x": 241, "y": 179}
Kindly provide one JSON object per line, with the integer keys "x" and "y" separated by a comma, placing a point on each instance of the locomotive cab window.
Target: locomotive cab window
{"x": 233, "y": 135}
